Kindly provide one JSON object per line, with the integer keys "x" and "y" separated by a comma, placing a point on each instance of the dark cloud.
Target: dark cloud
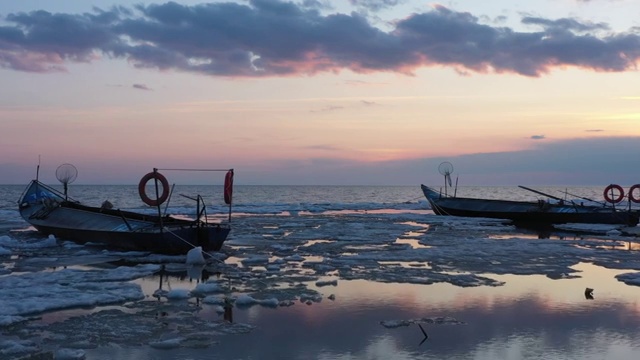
{"x": 277, "y": 38}
{"x": 375, "y": 5}
{"x": 537, "y": 137}
{"x": 594, "y": 130}
{"x": 317, "y": 4}
{"x": 329, "y": 108}
{"x": 323, "y": 147}
{"x": 141, "y": 87}
{"x": 564, "y": 25}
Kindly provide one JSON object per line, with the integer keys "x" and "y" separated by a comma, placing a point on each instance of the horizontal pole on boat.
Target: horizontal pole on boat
{"x": 194, "y": 169}
{"x": 584, "y": 198}
{"x": 540, "y": 193}
{"x": 189, "y": 197}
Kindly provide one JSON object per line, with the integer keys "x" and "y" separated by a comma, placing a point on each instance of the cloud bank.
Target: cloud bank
{"x": 270, "y": 38}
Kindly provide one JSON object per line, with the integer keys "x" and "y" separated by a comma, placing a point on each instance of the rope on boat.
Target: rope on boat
{"x": 193, "y": 246}
{"x": 439, "y": 209}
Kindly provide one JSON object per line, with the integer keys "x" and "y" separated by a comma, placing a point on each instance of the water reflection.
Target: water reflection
{"x": 529, "y": 317}
{"x": 228, "y": 310}
{"x": 598, "y": 242}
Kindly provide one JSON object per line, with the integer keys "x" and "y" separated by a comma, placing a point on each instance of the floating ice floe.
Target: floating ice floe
{"x": 69, "y": 354}
{"x": 246, "y": 301}
{"x": 294, "y": 258}
{"x": 195, "y": 257}
{"x": 32, "y": 293}
{"x": 629, "y": 278}
{"x": 614, "y": 232}
{"x": 603, "y": 229}
{"x": 16, "y": 347}
{"x": 209, "y": 287}
{"x": 327, "y": 283}
{"x": 213, "y": 300}
{"x": 166, "y": 344}
{"x": 8, "y": 242}
{"x": 256, "y": 260}
{"x": 178, "y": 294}
{"x": 10, "y": 319}
{"x": 390, "y": 324}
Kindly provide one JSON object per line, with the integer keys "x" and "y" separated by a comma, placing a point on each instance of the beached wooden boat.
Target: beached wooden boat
{"x": 540, "y": 212}
{"x": 52, "y": 213}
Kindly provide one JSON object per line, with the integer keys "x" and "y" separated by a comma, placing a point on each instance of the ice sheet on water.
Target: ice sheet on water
{"x": 16, "y": 347}
{"x": 172, "y": 343}
{"x": 209, "y": 287}
{"x": 38, "y": 292}
{"x": 69, "y": 354}
{"x": 630, "y": 278}
{"x": 256, "y": 260}
{"x": 178, "y": 294}
{"x": 459, "y": 251}
{"x": 354, "y": 246}
{"x": 142, "y": 323}
{"x": 195, "y": 257}
{"x": 247, "y": 301}
{"x": 326, "y": 283}
{"x": 10, "y": 242}
{"x": 10, "y": 319}
{"x": 590, "y": 228}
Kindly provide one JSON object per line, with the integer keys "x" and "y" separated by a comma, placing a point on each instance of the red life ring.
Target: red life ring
{"x": 143, "y": 185}
{"x": 633, "y": 197}
{"x": 609, "y": 190}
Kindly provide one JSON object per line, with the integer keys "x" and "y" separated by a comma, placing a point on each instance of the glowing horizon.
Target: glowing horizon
{"x": 393, "y": 96}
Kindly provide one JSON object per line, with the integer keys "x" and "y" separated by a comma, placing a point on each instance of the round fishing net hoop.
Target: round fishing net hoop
{"x": 66, "y": 173}
{"x": 445, "y": 168}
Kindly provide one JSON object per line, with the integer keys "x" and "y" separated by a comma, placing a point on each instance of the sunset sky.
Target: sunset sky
{"x": 342, "y": 92}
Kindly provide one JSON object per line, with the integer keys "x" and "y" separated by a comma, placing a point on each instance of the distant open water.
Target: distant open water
{"x": 126, "y": 196}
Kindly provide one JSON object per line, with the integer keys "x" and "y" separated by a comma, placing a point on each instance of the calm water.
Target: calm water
{"x": 126, "y": 196}
{"x": 507, "y": 302}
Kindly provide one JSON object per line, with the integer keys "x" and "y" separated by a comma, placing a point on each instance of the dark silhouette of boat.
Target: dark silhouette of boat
{"x": 52, "y": 212}
{"x": 530, "y": 212}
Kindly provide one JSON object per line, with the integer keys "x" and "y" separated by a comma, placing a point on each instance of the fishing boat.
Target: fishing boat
{"x": 538, "y": 212}
{"x": 53, "y": 212}
{"x": 553, "y": 210}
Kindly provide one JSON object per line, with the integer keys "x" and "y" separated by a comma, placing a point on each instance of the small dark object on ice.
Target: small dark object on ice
{"x": 425, "y": 334}
{"x": 106, "y": 205}
{"x": 588, "y": 293}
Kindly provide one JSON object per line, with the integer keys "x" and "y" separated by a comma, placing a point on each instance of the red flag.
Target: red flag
{"x": 228, "y": 187}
